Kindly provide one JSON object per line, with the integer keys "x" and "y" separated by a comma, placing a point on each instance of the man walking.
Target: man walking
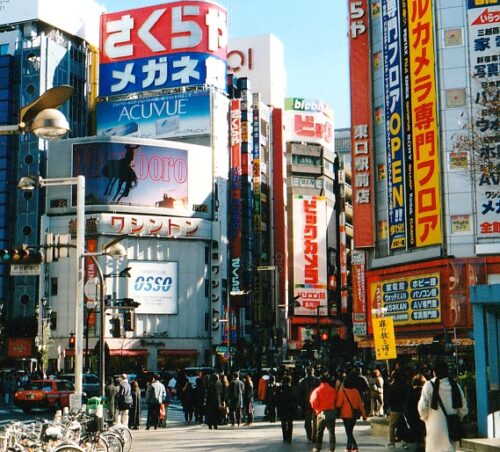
{"x": 236, "y": 391}
{"x": 155, "y": 394}
{"x": 305, "y": 388}
{"x": 323, "y": 400}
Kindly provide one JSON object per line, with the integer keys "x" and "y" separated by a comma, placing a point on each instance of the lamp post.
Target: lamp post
{"x": 32, "y": 182}
{"x": 116, "y": 250}
{"x": 43, "y": 313}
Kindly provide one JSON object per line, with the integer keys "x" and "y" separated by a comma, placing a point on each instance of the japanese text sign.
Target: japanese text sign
{"x": 163, "y": 46}
{"x": 385, "y": 341}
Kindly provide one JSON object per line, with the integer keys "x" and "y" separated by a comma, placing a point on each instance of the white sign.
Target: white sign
{"x": 25, "y": 269}
{"x": 155, "y": 286}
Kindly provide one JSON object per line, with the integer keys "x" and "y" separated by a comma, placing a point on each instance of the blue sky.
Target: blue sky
{"x": 314, "y": 34}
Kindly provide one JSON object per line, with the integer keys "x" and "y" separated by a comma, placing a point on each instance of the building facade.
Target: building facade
{"x": 424, "y": 228}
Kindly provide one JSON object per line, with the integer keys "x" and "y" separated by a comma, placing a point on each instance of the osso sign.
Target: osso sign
{"x": 155, "y": 286}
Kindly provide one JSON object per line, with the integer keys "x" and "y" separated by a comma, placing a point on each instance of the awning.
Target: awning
{"x": 71, "y": 351}
{"x": 178, "y": 352}
{"x": 312, "y": 321}
{"x": 128, "y": 352}
{"x": 400, "y": 342}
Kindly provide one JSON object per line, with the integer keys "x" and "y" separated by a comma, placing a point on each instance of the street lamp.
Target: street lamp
{"x": 43, "y": 312}
{"x": 32, "y": 182}
{"x": 41, "y": 118}
{"x": 116, "y": 250}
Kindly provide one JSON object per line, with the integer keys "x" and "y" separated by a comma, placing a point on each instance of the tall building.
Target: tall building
{"x": 425, "y": 223}
{"x": 43, "y": 44}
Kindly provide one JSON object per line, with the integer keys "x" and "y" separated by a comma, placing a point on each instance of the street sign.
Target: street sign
{"x": 25, "y": 269}
{"x": 383, "y": 335}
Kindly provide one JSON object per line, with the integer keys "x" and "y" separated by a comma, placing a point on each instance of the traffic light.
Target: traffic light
{"x": 324, "y": 337}
{"x": 128, "y": 321}
{"x": 71, "y": 341}
{"x": 129, "y": 303}
{"x": 20, "y": 256}
{"x": 115, "y": 327}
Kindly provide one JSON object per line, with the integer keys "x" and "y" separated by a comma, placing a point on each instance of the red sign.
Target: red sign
{"x": 19, "y": 347}
{"x": 361, "y": 152}
{"x": 188, "y": 26}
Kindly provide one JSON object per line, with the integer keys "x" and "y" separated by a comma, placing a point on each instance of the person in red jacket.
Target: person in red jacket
{"x": 323, "y": 400}
{"x": 349, "y": 400}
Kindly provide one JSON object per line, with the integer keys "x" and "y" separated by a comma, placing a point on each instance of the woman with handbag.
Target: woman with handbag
{"x": 442, "y": 402}
{"x": 351, "y": 409}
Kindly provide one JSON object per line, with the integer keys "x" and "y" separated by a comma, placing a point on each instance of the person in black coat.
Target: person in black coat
{"x": 213, "y": 401}
{"x": 134, "y": 420}
{"x": 286, "y": 403}
{"x": 188, "y": 402}
{"x": 236, "y": 392}
{"x": 411, "y": 428}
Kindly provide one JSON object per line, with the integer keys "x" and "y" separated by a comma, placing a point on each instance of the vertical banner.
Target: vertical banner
{"x": 361, "y": 151}
{"x": 408, "y": 144}
{"x": 309, "y": 247}
{"x": 235, "y": 190}
{"x": 428, "y": 225}
{"x": 256, "y": 179}
{"x": 393, "y": 94}
{"x": 484, "y": 49}
{"x": 385, "y": 340}
{"x": 358, "y": 274}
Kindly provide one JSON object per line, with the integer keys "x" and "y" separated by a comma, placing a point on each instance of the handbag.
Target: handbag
{"x": 356, "y": 412}
{"x": 455, "y": 427}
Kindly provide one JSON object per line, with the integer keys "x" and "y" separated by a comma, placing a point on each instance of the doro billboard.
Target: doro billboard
{"x": 169, "y": 176}
{"x": 163, "y": 46}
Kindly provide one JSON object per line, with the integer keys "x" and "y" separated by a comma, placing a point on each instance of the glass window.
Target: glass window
{"x": 4, "y": 48}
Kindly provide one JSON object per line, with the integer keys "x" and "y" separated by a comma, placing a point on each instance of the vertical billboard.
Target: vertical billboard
{"x": 309, "y": 260}
{"x": 393, "y": 95}
{"x": 172, "y": 45}
{"x": 235, "y": 193}
{"x": 165, "y": 116}
{"x": 426, "y": 163}
{"x": 361, "y": 136}
{"x": 359, "y": 296}
{"x": 309, "y": 120}
{"x": 484, "y": 26}
{"x": 155, "y": 286}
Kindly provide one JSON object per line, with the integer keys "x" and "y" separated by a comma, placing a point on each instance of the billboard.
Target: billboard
{"x": 361, "y": 152}
{"x": 393, "y": 95}
{"x": 411, "y": 300}
{"x": 309, "y": 120}
{"x": 309, "y": 260}
{"x": 428, "y": 221}
{"x": 170, "y": 176}
{"x": 155, "y": 286}
{"x": 484, "y": 25}
{"x": 163, "y": 46}
{"x": 358, "y": 272}
{"x": 166, "y": 116}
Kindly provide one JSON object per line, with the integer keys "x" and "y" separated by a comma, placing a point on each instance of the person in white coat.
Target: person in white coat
{"x": 431, "y": 413}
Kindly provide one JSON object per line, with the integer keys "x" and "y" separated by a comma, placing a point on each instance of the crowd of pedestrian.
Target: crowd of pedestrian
{"x": 417, "y": 402}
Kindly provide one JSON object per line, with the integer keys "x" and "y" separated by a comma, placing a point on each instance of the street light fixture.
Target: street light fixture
{"x": 115, "y": 250}
{"x": 32, "y": 182}
{"x": 41, "y": 118}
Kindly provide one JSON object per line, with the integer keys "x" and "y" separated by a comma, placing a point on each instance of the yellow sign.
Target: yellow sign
{"x": 385, "y": 341}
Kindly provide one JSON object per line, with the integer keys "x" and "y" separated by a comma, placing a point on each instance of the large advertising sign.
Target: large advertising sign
{"x": 393, "y": 95}
{"x": 361, "y": 152}
{"x": 309, "y": 120}
{"x": 174, "y": 115}
{"x": 163, "y": 46}
{"x": 155, "y": 286}
{"x": 171, "y": 176}
{"x": 411, "y": 300}
{"x": 428, "y": 222}
{"x": 358, "y": 272}
{"x": 309, "y": 260}
{"x": 484, "y": 27}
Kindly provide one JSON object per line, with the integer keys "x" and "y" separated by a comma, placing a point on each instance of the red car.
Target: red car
{"x": 47, "y": 394}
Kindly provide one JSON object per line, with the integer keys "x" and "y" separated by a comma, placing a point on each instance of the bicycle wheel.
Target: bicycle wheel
{"x": 93, "y": 442}
{"x": 68, "y": 448}
{"x": 114, "y": 440}
{"x": 126, "y": 435}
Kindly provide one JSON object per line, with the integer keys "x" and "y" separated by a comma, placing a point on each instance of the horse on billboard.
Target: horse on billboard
{"x": 121, "y": 174}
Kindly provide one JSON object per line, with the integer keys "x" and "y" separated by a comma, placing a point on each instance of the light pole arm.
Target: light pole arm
{"x": 11, "y": 130}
